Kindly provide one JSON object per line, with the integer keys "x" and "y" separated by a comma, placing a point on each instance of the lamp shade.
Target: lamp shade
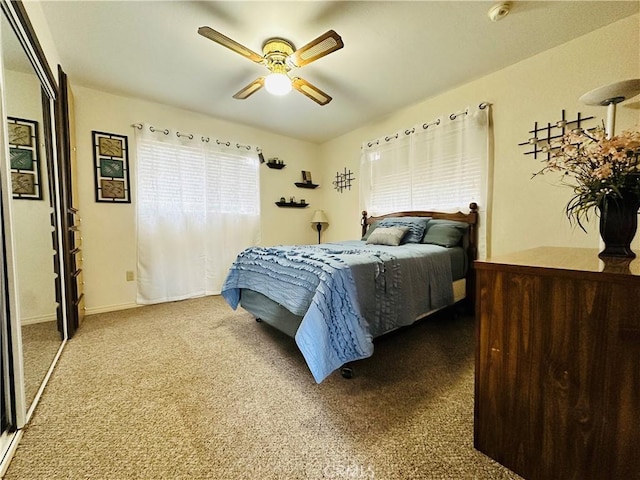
{"x": 320, "y": 217}
{"x": 610, "y": 96}
{"x": 613, "y": 93}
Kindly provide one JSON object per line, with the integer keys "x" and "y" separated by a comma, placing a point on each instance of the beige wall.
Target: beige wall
{"x": 109, "y": 231}
{"x": 525, "y": 213}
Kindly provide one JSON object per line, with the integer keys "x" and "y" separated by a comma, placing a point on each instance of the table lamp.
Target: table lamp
{"x": 319, "y": 218}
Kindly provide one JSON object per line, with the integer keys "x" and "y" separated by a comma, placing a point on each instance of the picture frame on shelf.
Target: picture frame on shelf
{"x": 111, "y": 167}
{"x": 24, "y": 158}
{"x": 306, "y": 177}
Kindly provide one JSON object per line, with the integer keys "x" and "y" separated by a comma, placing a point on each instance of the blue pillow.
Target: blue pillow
{"x": 446, "y": 233}
{"x": 417, "y": 226}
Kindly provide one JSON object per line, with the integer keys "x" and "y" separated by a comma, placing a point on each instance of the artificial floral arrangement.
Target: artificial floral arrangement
{"x": 596, "y": 167}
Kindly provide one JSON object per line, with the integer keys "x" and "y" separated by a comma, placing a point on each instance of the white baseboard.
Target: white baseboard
{"x": 110, "y": 308}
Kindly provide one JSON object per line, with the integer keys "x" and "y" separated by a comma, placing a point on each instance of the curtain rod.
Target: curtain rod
{"x": 426, "y": 125}
{"x": 190, "y": 137}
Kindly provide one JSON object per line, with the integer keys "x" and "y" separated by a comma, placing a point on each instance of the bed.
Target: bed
{"x": 335, "y": 298}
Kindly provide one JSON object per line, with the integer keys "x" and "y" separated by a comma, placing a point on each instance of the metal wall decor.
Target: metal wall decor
{"x": 24, "y": 158}
{"x": 111, "y": 167}
{"x": 544, "y": 135}
{"x": 343, "y": 180}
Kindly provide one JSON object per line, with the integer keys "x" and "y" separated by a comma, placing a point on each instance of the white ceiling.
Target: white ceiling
{"x": 395, "y": 53}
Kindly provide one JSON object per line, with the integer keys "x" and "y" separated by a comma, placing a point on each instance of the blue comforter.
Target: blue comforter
{"x": 346, "y": 293}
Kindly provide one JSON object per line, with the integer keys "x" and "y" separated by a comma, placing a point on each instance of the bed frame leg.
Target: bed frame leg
{"x": 347, "y": 371}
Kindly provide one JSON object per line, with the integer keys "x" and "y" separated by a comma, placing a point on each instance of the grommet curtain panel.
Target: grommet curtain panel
{"x": 198, "y": 206}
{"x": 441, "y": 165}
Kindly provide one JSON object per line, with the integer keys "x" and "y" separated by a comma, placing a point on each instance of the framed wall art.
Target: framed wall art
{"x": 24, "y": 157}
{"x": 111, "y": 167}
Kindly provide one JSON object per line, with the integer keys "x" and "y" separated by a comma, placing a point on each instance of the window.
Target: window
{"x": 198, "y": 206}
{"x": 443, "y": 165}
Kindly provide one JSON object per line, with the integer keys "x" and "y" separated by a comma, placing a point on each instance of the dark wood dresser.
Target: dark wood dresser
{"x": 557, "y": 387}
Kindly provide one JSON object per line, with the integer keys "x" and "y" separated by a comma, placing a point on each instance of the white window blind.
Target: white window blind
{"x": 389, "y": 176}
{"x": 446, "y": 171}
{"x": 237, "y": 180}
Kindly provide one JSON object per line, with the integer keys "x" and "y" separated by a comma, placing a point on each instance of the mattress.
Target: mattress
{"x": 276, "y": 315}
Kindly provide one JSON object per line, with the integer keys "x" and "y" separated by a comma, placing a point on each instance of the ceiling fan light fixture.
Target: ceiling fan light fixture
{"x": 277, "y": 83}
{"x": 280, "y": 56}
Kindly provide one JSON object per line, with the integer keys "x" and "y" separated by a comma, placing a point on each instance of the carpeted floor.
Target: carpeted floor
{"x": 194, "y": 390}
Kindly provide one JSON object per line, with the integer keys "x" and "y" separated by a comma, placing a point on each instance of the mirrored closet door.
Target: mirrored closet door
{"x": 35, "y": 328}
{"x": 31, "y": 211}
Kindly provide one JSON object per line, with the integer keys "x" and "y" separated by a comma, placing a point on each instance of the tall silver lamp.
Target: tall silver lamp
{"x": 319, "y": 219}
{"x": 610, "y": 96}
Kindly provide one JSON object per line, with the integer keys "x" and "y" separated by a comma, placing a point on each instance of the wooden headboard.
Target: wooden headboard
{"x": 472, "y": 247}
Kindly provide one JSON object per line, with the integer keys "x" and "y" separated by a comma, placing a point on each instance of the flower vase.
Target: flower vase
{"x": 618, "y": 225}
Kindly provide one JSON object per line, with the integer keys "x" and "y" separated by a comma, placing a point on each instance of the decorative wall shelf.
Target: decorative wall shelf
{"x": 275, "y": 165}
{"x": 306, "y": 185}
{"x": 292, "y": 204}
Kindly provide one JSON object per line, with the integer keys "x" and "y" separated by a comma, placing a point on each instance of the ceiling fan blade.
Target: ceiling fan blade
{"x": 250, "y": 89}
{"x": 225, "y": 41}
{"x": 314, "y": 93}
{"x": 318, "y": 48}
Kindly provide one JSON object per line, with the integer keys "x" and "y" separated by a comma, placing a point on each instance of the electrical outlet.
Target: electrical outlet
{"x": 129, "y": 276}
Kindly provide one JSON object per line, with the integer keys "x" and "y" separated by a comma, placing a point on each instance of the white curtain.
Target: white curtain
{"x": 198, "y": 206}
{"x": 440, "y": 165}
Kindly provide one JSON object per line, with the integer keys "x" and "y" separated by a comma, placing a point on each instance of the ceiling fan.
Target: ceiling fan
{"x": 280, "y": 56}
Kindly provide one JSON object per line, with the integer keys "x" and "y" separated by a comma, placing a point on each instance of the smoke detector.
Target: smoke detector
{"x": 499, "y": 11}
